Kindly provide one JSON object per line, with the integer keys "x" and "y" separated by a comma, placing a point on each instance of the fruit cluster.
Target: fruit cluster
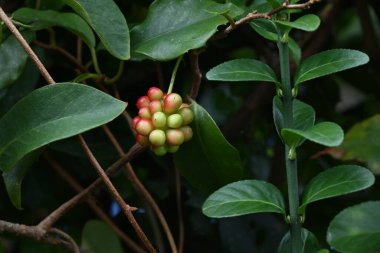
{"x": 162, "y": 121}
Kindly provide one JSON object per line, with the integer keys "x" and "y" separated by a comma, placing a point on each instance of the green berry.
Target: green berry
{"x": 187, "y": 115}
{"x": 172, "y": 103}
{"x": 174, "y": 120}
{"x": 174, "y": 137}
{"x": 172, "y": 149}
{"x": 159, "y": 150}
{"x": 159, "y": 120}
{"x": 157, "y": 137}
{"x": 144, "y": 126}
{"x": 187, "y": 132}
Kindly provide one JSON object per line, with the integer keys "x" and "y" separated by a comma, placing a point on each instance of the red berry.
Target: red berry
{"x": 172, "y": 102}
{"x": 143, "y": 140}
{"x": 145, "y": 113}
{"x": 157, "y": 137}
{"x": 135, "y": 120}
{"x": 155, "y": 106}
{"x": 143, "y": 102}
{"x": 144, "y": 126}
{"x": 174, "y": 137}
{"x": 155, "y": 93}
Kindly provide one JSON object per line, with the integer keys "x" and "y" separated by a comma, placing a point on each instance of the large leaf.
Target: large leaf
{"x": 242, "y": 70}
{"x": 310, "y": 243}
{"x": 328, "y": 62}
{"x": 309, "y": 23}
{"x": 208, "y": 161}
{"x": 356, "y": 229}
{"x": 52, "y": 113}
{"x": 173, "y": 27}
{"x": 244, "y": 197}
{"x": 336, "y": 181}
{"x": 105, "y": 17}
{"x": 43, "y": 19}
{"x": 98, "y": 237}
{"x": 13, "y": 59}
{"x": 325, "y": 133}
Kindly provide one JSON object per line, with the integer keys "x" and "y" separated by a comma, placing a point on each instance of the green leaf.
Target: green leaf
{"x": 295, "y": 51}
{"x": 356, "y": 229}
{"x": 325, "y": 133}
{"x": 105, "y": 17}
{"x": 244, "y": 197}
{"x": 329, "y": 62}
{"x": 242, "y": 70}
{"x": 336, "y": 181}
{"x": 158, "y": 37}
{"x": 362, "y": 143}
{"x": 98, "y": 237}
{"x": 309, "y": 23}
{"x": 229, "y": 9}
{"x": 310, "y": 243}
{"x": 14, "y": 55}
{"x": 39, "y": 19}
{"x": 52, "y": 113}
{"x": 217, "y": 162}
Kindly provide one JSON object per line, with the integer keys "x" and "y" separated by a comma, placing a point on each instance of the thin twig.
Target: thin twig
{"x": 124, "y": 206}
{"x": 25, "y": 45}
{"x": 196, "y": 72}
{"x": 67, "y": 238}
{"x": 181, "y": 226}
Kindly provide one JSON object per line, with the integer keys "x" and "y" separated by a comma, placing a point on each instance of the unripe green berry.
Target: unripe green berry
{"x": 172, "y": 149}
{"x": 174, "y": 137}
{"x": 155, "y": 106}
{"x": 145, "y": 113}
{"x": 159, "y": 150}
{"x": 187, "y": 115}
{"x": 172, "y": 102}
{"x": 144, "y": 126}
{"x": 157, "y": 137}
{"x": 174, "y": 120}
{"x": 159, "y": 120}
{"x": 187, "y": 132}
{"x": 155, "y": 93}
{"x": 143, "y": 140}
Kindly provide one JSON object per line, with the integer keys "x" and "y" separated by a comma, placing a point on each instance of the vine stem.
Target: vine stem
{"x": 291, "y": 162}
{"x": 174, "y": 73}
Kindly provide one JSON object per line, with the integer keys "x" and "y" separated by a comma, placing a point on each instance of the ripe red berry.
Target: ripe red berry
{"x": 144, "y": 126}
{"x": 172, "y": 102}
{"x": 174, "y": 137}
{"x": 155, "y": 93}
{"x": 155, "y": 106}
{"x": 135, "y": 120}
{"x": 143, "y": 102}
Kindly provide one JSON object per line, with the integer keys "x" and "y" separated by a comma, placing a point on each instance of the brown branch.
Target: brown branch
{"x": 196, "y": 72}
{"x": 99, "y": 212}
{"x": 181, "y": 226}
{"x": 26, "y": 46}
{"x": 141, "y": 188}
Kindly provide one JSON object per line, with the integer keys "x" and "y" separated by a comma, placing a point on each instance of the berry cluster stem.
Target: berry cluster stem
{"x": 174, "y": 73}
{"x": 291, "y": 162}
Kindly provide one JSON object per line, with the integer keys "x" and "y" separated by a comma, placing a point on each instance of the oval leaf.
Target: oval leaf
{"x": 356, "y": 229}
{"x": 158, "y": 37}
{"x": 308, "y": 23}
{"x": 244, "y": 197}
{"x": 242, "y": 70}
{"x": 217, "y": 162}
{"x": 337, "y": 181}
{"x": 97, "y": 237}
{"x": 310, "y": 243}
{"x": 42, "y": 19}
{"x": 325, "y": 133}
{"x": 52, "y": 113}
{"x": 328, "y": 62}
{"x": 105, "y": 17}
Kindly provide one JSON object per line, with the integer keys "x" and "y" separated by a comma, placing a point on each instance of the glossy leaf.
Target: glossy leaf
{"x": 42, "y": 19}
{"x": 325, "y": 133}
{"x": 310, "y": 243}
{"x": 329, "y": 62}
{"x": 12, "y": 53}
{"x": 52, "y": 113}
{"x": 158, "y": 37}
{"x": 309, "y": 23}
{"x": 108, "y": 22}
{"x": 356, "y": 229}
{"x": 98, "y": 237}
{"x": 244, "y": 197}
{"x": 336, "y": 181}
{"x": 242, "y": 70}
{"x": 217, "y": 162}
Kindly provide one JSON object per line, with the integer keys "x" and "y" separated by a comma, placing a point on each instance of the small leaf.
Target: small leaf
{"x": 325, "y": 133}
{"x": 159, "y": 38}
{"x": 52, "y": 113}
{"x": 229, "y": 9}
{"x": 310, "y": 243}
{"x": 244, "y": 197}
{"x": 309, "y": 23}
{"x": 356, "y": 229}
{"x": 108, "y": 22}
{"x": 40, "y": 19}
{"x": 217, "y": 162}
{"x": 336, "y": 181}
{"x": 98, "y": 237}
{"x": 242, "y": 70}
{"x": 12, "y": 53}
{"x": 329, "y": 62}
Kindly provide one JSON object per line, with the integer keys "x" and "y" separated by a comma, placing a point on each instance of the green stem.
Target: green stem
{"x": 174, "y": 73}
{"x": 95, "y": 60}
{"x": 118, "y": 74}
{"x": 291, "y": 162}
